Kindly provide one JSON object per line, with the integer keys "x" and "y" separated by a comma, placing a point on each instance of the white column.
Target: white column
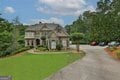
{"x": 34, "y": 43}
{"x": 30, "y": 43}
{"x": 26, "y": 43}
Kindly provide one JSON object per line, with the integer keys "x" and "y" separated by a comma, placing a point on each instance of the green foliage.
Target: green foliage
{"x": 11, "y": 51}
{"x": 76, "y": 37}
{"x": 59, "y": 47}
{"x": 102, "y": 25}
{"x": 43, "y": 38}
{"x": 11, "y": 37}
{"x": 21, "y": 50}
{"x": 42, "y": 49}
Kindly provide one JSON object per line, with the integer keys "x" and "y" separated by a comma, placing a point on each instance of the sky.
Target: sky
{"x": 63, "y": 12}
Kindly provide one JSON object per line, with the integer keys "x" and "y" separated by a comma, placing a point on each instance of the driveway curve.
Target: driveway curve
{"x": 96, "y": 65}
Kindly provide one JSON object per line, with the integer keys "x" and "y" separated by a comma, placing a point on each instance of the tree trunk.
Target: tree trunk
{"x": 77, "y": 46}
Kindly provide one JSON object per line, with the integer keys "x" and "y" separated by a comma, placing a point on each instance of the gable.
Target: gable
{"x": 45, "y": 28}
{"x": 53, "y": 34}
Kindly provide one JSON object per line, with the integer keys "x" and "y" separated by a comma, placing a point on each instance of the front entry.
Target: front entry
{"x": 53, "y": 44}
{"x": 37, "y": 42}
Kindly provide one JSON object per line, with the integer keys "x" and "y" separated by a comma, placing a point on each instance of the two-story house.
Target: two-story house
{"x": 54, "y": 34}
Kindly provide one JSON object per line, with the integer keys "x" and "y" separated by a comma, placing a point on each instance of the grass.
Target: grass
{"x": 35, "y": 67}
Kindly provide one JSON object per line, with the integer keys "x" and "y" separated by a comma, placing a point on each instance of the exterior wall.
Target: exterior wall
{"x": 29, "y": 35}
{"x": 65, "y": 43}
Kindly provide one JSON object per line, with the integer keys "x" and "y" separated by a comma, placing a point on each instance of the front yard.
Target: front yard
{"x": 35, "y": 66}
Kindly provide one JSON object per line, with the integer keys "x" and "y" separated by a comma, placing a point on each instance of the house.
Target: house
{"x": 52, "y": 33}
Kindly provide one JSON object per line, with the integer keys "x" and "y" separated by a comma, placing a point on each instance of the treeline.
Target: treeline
{"x": 11, "y": 36}
{"x": 101, "y": 25}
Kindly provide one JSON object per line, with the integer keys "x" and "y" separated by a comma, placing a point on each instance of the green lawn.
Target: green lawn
{"x": 35, "y": 67}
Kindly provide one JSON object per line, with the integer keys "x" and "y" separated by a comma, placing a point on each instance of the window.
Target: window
{"x": 29, "y": 34}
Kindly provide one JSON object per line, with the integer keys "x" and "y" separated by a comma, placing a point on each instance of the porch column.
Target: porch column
{"x": 40, "y": 42}
{"x": 26, "y": 43}
{"x": 48, "y": 44}
{"x": 30, "y": 42}
{"x": 34, "y": 43}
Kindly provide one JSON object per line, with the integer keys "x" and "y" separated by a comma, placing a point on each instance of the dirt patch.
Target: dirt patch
{"x": 112, "y": 53}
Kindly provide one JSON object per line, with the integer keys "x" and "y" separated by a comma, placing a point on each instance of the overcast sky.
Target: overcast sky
{"x": 57, "y": 11}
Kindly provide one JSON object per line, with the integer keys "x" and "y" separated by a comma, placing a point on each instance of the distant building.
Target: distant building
{"x": 53, "y": 33}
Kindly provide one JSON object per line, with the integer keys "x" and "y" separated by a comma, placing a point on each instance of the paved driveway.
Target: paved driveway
{"x": 96, "y": 65}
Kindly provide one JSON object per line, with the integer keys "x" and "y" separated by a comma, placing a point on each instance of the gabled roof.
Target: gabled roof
{"x": 36, "y": 27}
{"x": 59, "y": 30}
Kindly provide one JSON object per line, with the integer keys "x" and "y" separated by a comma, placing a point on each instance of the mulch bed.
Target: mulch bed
{"x": 113, "y": 54}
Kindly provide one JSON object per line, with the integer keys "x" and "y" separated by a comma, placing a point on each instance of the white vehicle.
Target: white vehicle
{"x": 113, "y": 43}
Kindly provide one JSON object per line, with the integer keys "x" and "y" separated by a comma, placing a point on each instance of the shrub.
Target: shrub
{"x": 11, "y": 51}
{"x": 21, "y": 50}
{"x": 42, "y": 48}
{"x": 2, "y": 53}
{"x": 59, "y": 46}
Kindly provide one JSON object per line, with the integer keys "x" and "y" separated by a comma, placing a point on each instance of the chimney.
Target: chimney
{"x": 40, "y": 22}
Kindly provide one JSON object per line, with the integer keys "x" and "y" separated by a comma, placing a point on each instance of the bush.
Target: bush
{"x": 42, "y": 48}
{"x": 21, "y": 50}
{"x": 11, "y": 51}
{"x": 2, "y": 53}
{"x": 59, "y": 46}
{"x": 5, "y": 53}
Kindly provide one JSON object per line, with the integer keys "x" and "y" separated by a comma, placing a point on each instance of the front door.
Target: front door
{"x": 53, "y": 44}
{"x": 37, "y": 42}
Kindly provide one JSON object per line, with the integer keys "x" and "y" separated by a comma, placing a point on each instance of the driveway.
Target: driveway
{"x": 96, "y": 65}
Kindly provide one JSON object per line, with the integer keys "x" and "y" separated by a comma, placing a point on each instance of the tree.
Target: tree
{"x": 11, "y": 37}
{"x": 43, "y": 38}
{"x": 77, "y": 37}
{"x": 5, "y": 36}
{"x": 101, "y": 25}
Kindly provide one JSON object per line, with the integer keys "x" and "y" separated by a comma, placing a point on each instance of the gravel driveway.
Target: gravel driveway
{"x": 96, "y": 65}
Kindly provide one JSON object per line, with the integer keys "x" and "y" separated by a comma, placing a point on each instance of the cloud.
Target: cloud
{"x": 9, "y": 9}
{"x": 50, "y": 20}
{"x": 64, "y": 7}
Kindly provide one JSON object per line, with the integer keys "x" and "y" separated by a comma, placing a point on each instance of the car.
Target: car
{"x": 113, "y": 43}
{"x": 93, "y": 43}
{"x": 102, "y": 43}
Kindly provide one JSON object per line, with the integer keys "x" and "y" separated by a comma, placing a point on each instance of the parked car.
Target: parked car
{"x": 113, "y": 43}
{"x": 102, "y": 43}
{"x": 93, "y": 43}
